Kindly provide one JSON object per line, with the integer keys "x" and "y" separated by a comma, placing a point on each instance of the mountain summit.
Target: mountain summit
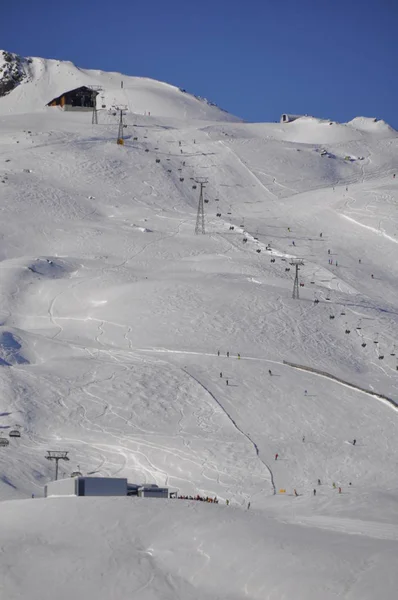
{"x": 30, "y": 84}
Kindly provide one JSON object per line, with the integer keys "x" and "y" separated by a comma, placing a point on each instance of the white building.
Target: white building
{"x": 102, "y": 486}
{"x": 86, "y": 486}
{"x": 152, "y": 491}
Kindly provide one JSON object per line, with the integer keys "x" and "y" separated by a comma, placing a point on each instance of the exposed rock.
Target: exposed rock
{"x": 12, "y": 72}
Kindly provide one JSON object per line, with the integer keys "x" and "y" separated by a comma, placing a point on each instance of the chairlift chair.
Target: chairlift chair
{"x": 158, "y": 160}
{"x": 258, "y": 250}
{"x": 4, "y": 442}
{"x": 381, "y": 356}
{"x": 194, "y": 187}
{"x": 181, "y": 178}
{"x": 331, "y": 316}
{"x": 206, "y": 201}
{"x": 342, "y": 313}
{"x": 14, "y": 433}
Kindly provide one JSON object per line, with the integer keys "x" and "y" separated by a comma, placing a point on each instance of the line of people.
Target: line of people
{"x": 201, "y": 499}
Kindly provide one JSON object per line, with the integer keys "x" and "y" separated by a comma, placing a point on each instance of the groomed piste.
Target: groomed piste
{"x": 150, "y": 352}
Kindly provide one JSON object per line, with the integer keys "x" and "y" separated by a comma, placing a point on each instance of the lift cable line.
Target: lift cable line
{"x": 200, "y": 219}
{"x": 296, "y": 262}
{"x": 57, "y": 455}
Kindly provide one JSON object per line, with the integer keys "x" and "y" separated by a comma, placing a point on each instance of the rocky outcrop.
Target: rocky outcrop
{"x": 12, "y": 71}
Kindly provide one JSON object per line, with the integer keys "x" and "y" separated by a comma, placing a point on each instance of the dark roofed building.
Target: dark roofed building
{"x": 82, "y": 98}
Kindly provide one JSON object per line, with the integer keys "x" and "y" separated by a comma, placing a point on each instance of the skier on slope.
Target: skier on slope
{"x": 276, "y": 456}
{"x": 269, "y": 371}
{"x": 314, "y": 492}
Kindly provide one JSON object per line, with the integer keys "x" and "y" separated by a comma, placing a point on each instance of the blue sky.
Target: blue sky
{"x": 255, "y": 58}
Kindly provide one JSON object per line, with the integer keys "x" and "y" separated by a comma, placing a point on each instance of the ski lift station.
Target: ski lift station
{"x": 102, "y": 486}
{"x": 80, "y": 99}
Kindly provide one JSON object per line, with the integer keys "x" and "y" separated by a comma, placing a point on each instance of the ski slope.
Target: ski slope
{"x": 116, "y": 320}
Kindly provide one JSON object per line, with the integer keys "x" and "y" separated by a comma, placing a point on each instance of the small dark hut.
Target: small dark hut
{"x": 82, "y": 98}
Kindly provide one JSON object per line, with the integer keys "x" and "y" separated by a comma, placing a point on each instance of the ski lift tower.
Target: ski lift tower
{"x": 200, "y": 219}
{"x": 57, "y": 455}
{"x": 296, "y": 262}
{"x": 96, "y": 89}
{"x": 120, "y": 137}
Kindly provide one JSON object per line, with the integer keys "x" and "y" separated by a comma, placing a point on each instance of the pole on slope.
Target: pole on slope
{"x": 94, "y": 119}
{"x": 95, "y": 90}
{"x": 200, "y": 218}
{"x": 120, "y": 139}
{"x": 296, "y": 262}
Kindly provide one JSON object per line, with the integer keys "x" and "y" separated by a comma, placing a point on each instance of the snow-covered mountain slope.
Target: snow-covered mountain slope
{"x": 41, "y": 80}
{"x": 117, "y": 548}
{"x": 113, "y": 311}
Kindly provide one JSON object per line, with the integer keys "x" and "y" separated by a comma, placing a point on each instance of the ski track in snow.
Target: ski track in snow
{"x": 109, "y": 339}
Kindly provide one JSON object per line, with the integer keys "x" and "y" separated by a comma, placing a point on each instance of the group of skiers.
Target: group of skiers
{"x": 354, "y": 441}
{"x": 200, "y": 498}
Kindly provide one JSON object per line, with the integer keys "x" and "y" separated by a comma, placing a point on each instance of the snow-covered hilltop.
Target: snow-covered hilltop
{"x": 34, "y": 82}
{"x": 149, "y": 352}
